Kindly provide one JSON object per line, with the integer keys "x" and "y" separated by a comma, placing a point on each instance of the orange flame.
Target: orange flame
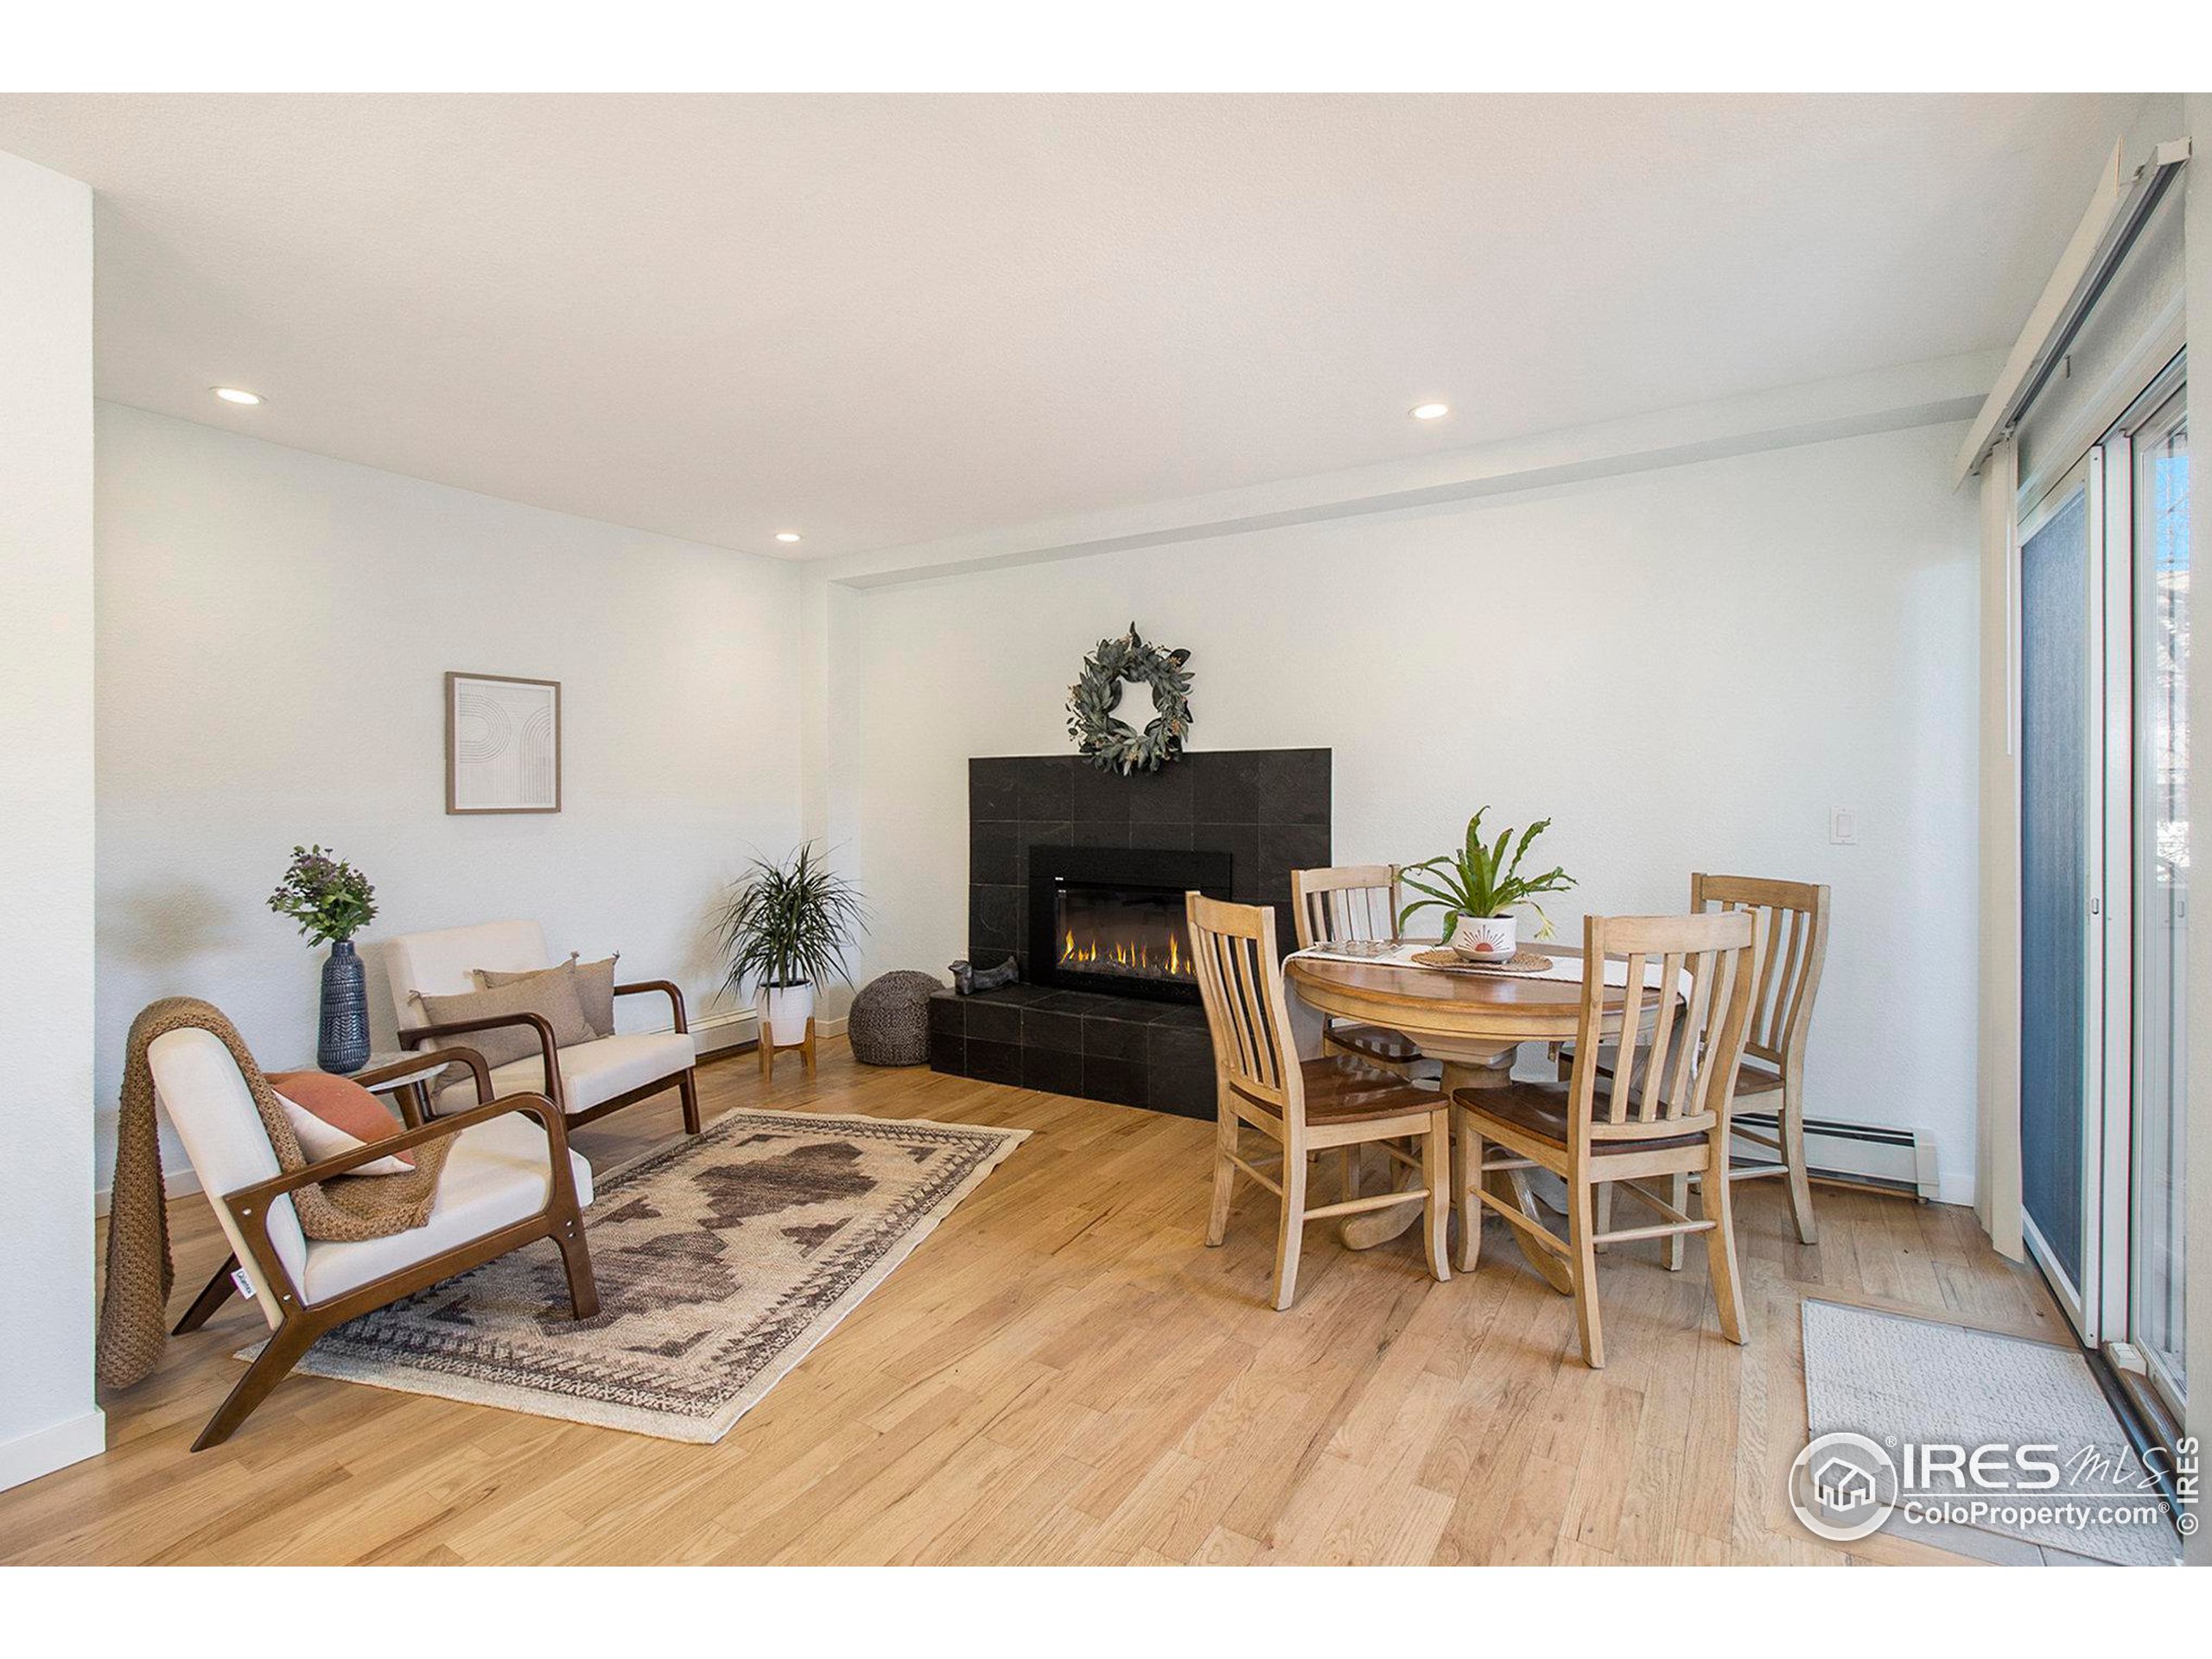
{"x": 1146, "y": 959}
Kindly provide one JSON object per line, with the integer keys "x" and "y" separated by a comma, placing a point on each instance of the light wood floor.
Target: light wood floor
{"x": 1063, "y": 1373}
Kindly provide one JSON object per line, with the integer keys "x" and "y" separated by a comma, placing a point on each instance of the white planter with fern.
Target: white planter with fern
{"x": 1485, "y": 938}
{"x": 1479, "y": 887}
{"x": 785, "y": 928}
{"x": 785, "y": 1011}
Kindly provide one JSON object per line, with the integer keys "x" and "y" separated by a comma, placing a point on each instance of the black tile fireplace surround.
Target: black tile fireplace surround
{"x": 1267, "y": 810}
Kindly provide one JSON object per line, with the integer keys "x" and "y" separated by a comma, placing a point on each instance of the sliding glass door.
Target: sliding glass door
{"x": 2061, "y": 792}
{"x": 2157, "y": 1133}
{"x": 2103, "y": 744}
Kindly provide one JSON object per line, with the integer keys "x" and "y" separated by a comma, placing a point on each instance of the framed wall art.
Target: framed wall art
{"x": 503, "y": 744}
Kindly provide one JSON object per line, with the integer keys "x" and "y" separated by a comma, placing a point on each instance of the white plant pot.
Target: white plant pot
{"x": 1485, "y": 938}
{"x": 785, "y": 1010}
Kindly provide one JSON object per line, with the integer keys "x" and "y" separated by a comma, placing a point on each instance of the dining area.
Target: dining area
{"x": 1411, "y": 1063}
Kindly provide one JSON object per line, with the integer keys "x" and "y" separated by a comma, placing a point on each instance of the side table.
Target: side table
{"x": 409, "y": 1088}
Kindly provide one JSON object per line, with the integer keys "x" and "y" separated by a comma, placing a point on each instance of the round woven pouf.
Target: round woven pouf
{"x": 889, "y": 1024}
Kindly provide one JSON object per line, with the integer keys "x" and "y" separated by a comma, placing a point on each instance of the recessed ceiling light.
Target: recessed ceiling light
{"x": 1431, "y": 411}
{"x": 787, "y": 535}
{"x": 235, "y": 394}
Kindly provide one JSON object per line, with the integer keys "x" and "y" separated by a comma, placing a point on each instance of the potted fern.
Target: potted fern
{"x": 784, "y": 928}
{"x": 1477, "y": 887}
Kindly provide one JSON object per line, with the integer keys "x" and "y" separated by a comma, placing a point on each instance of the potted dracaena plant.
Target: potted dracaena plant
{"x": 784, "y": 928}
{"x": 1477, "y": 887}
{"x": 332, "y": 901}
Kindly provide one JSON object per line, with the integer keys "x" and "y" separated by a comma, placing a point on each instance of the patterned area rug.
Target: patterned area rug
{"x": 720, "y": 1261}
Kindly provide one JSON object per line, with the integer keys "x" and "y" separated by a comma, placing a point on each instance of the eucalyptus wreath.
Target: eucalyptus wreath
{"x": 1114, "y": 745}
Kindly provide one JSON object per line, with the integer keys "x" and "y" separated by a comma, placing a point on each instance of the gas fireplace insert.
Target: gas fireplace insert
{"x": 1110, "y": 919}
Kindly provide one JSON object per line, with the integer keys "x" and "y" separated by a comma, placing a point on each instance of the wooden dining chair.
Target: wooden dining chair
{"x": 1303, "y": 1106}
{"x": 1796, "y": 945}
{"x": 1660, "y": 1111}
{"x": 1352, "y": 901}
{"x": 1781, "y": 1016}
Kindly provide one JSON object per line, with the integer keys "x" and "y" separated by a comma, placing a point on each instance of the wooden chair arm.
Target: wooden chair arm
{"x": 249, "y": 1205}
{"x": 537, "y": 1022}
{"x": 675, "y": 997}
{"x": 467, "y": 1056}
{"x": 323, "y": 1169}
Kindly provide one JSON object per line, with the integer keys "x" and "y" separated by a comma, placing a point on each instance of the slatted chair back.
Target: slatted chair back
{"x": 1240, "y": 977}
{"x": 1797, "y": 915}
{"x": 1674, "y": 1073}
{"x": 1344, "y": 902}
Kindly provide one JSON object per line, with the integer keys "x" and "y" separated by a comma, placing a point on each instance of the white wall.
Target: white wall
{"x": 274, "y": 631}
{"x": 828, "y": 709}
{"x": 47, "y": 1414}
{"x": 1686, "y": 668}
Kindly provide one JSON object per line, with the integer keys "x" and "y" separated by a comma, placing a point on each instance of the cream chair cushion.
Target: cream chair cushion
{"x": 591, "y": 1073}
{"x": 499, "y": 1173}
{"x": 444, "y": 962}
{"x": 204, "y": 1095}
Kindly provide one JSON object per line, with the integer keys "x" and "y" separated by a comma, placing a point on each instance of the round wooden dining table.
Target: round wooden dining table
{"x": 1472, "y": 1024}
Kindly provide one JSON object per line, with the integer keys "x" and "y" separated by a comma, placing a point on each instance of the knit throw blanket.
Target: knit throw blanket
{"x": 134, "y": 1312}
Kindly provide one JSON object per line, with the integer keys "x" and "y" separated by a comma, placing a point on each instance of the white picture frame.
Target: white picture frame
{"x": 503, "y": 744}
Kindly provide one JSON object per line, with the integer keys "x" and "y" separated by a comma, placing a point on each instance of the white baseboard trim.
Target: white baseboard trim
{"x": 719, "y": 1030}
{"x": 1895, "y": 1160}
{"x": 730, "y": 1029}
{"x": 42, "y": 1451}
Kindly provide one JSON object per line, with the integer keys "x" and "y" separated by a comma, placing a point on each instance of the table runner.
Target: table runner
{"x": 1567, "y": 970}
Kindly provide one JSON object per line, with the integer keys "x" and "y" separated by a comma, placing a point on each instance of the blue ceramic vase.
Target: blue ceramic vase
{"x": 342, "y": 1045}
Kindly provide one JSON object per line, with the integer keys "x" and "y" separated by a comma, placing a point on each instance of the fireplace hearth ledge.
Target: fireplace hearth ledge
{"x": 1126, "y": 1051}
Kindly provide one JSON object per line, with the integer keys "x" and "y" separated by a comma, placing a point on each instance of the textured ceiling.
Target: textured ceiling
{"x": 889, "y": 319}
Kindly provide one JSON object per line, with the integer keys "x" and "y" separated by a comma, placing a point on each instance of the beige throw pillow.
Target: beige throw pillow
{"x": 550, "y": 994}
{"x": 594, "y": 987}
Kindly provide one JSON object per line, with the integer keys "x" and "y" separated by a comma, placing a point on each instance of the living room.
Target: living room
{"x": 1112, "y": 827}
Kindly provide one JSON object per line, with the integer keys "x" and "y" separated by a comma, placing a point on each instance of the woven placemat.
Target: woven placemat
{"x": 1521, "y": 962}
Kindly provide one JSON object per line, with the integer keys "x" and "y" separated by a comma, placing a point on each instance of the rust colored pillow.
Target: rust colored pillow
{"x": 334, "y": 1114}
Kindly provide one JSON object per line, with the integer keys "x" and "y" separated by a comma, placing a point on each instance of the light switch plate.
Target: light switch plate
{"x": 1843, "y": 826}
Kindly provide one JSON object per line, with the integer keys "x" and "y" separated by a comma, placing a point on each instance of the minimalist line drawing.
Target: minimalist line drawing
{"x": 483, "y": 731}
{"x": 503, "y": 744}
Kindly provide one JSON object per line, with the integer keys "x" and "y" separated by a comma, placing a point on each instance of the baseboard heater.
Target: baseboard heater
{"x": 1856, "y": 1154}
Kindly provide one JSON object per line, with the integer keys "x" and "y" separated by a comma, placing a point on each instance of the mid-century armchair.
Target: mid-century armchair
{"x": 509, "y": 1180}
{"x": 586, "y": 1080}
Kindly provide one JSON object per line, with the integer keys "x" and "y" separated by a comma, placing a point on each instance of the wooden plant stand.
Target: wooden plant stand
{"x": 804, "y": 1046}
